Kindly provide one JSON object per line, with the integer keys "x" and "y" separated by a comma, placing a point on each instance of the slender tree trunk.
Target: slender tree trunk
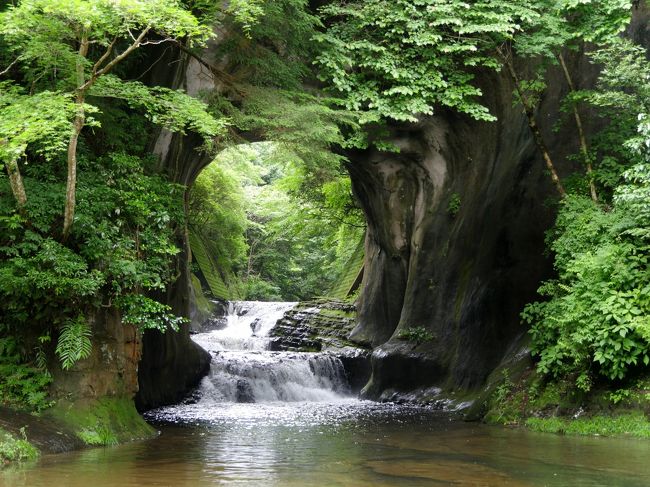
{"x": 77, "y": 126}
{"x": 581, "y": 133}
{"x": 532, "y": 124}
{"x": 17, "y": 186}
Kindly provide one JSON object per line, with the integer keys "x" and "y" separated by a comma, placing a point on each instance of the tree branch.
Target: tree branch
{"x": 6, "y": 70}
{"x": 581, "y": 133}
{"x": 115, "y": 61}
{"x": 532, "y": 123}
{"x": 104, "y": 56}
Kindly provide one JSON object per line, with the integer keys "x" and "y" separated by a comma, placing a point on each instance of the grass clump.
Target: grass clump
{"x": 628, "y": 424}
{"x": 14, "y": 449}
{"x": 417, "y": 334}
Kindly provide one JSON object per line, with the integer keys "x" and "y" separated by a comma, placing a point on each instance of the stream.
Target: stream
{"x": 263, "y": 418}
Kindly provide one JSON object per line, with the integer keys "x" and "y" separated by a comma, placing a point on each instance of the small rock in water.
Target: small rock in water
{"x": 245, "y": 392}
{"x": 256, "y": 325}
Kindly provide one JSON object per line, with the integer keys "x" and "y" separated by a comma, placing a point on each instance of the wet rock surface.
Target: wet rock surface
{"x": 324, "y": 325}
{"x": 456, "y": 225}
{"x": 46, "y": 435}
{"x": 314, "y": 326}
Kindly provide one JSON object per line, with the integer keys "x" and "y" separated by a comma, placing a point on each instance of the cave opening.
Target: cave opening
{"x": 264, "y": 225}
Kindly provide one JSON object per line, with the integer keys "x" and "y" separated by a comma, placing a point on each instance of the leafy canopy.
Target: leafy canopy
{"x": 44, "y": 34}
{"x": 400, "y": 59}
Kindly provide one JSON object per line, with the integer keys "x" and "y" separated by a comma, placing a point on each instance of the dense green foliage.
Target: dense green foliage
{"x": 88, "y": 222}
{"x": 123, "y": 241}
{"x": 402, "y": 59}
{"x": 286, "y": 233}
{"x": 595, "y": 323}
{"x": 269, "y": 244}
{"x": 64, "y": 70}
{"x": 14, "y": 449}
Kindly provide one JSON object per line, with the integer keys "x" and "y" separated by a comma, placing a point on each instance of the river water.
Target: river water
{"x": 287, "y": 419}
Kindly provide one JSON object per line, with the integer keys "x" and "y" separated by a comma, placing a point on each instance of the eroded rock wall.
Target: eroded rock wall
{"x": 111, "y": 369}
{"x": 455, "y": 245}
{"x": 171, "y": 362}
{"x": 456, "y": 226}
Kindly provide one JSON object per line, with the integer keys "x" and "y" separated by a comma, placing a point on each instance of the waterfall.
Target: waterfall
{"x": 244, "y": 370}
{"x": 245, "y": 327}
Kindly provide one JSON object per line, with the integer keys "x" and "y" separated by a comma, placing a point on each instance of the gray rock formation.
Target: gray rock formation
{"x": 456, "y": 226}
{"x": 455, "y": 243}
{"x": 324, "y": 325}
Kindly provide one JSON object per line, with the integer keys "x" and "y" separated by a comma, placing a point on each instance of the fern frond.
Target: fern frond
{"x": 74, "y": 342}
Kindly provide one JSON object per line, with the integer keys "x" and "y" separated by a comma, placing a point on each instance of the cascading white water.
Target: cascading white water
{"x": 245, "y": 327}
{"x": 243, "y": 370}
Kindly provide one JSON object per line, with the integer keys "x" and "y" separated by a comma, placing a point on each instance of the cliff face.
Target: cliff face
{"x": 456, "y": 225}
{"x": 171, "y": 362}
{"x": 111, "y": 369}
{"x": 455, "y": 243}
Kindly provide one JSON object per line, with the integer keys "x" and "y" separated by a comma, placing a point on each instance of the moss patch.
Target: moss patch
{"x": 203, "y": 305}
{"x": 559, "y": 407}
{"x": 106, "y": 421}
{"x": 14, "y": 449}
{"x": 633, "y": 423}
{"x": 337, "y": 313}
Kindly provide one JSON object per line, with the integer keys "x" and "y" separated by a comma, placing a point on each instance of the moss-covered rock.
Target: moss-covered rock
{"x": 106, "y": 421}
{"x": 312, "y": 326}
{"x": 324, "y": 324}
{"x": 522, "y": 397}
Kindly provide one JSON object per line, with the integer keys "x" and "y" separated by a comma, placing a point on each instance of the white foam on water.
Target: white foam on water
{"x": 243, "y": 370}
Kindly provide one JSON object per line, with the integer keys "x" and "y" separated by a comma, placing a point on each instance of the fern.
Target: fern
{"x": 74, "y": 342}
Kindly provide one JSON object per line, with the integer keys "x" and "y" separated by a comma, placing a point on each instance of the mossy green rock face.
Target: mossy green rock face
{"x": 45, "y": 433}
{"x": 107, "y": 421}
{"x": 312, "y": 326}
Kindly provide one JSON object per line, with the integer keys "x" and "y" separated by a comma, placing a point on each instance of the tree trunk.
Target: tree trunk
{"x": 581, "y": 133}
{"x": 532, "y": 124}
{"x": 17, "y": 186}
{"x": 77, "y": 126}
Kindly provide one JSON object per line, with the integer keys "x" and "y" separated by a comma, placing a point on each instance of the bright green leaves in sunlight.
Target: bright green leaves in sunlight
{"x": 171, "y": 109}
{"x": 40, "y": 121}
{"x": 144, "y": 313}
{"x": 400, "y": 59}
{"x": 43, "y": 33}
{"x": 72, "y": 46}
{"x": 562, "y": 24}
{"x": 269, "y": 237}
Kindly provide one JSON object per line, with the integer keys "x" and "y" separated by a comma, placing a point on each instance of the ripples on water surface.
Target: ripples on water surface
{"x": 348, "y": 443}
{"x": 330, "y": 441}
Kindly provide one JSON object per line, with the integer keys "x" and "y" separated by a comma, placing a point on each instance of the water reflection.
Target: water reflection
{"x": 350, "y": 444}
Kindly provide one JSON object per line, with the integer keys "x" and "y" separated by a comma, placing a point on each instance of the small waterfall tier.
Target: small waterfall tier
{"x": 243, "y": 369}
{"x": 245, "y": 327}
